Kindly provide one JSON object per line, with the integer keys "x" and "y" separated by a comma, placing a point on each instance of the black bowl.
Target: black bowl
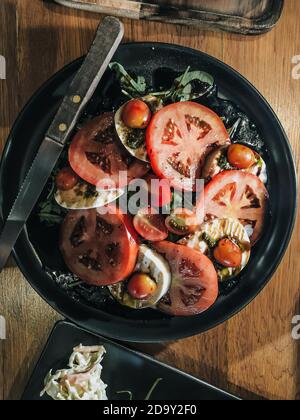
{"x": 37, "y": 246}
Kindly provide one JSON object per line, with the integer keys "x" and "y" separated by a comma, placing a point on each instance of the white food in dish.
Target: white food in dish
{"x": 155, "y": 104}
{"x": 82, "y": 381}
{"x": 79, "y": 198}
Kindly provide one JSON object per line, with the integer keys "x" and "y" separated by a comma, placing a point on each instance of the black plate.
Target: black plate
{"x": 136, "y": 372}
{"x": 113, "y": 320}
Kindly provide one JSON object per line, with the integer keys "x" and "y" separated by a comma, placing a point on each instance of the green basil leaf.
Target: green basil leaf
{"x": 189, "y": 86}
{"x": 128, "y": 84}
{"x": 191, "y": 76}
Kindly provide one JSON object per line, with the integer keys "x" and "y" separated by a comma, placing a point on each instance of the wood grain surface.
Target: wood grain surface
{"x": 253, "y": 354}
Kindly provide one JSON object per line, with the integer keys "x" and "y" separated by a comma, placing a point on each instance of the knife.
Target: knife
{"x": 108, "y": 37}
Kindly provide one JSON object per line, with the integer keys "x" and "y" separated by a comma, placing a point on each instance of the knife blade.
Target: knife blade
{"x": 108, "y": 37}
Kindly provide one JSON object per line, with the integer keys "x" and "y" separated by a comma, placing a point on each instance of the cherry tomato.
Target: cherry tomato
{"x": 228, "y": 253}
{"x": 181, "y": 222}
{"x": 136, "y": 114}
{"x": 150, "y": 225}
{"x": 240, "y": 156}
{"x": 159, "y": 191}
{"x": 66, "y": 179}
{"x": 141, "y": 286}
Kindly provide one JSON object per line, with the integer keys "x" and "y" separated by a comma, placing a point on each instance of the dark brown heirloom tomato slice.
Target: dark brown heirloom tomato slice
{"x": 98, "y": 157}
{"x": 99, "y": 249}
{"x": 194, "y": 286}
{"x": 179, "y": 137}
{"x": 236, "y": 195}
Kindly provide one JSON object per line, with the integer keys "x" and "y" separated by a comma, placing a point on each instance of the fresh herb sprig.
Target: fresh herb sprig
{"x": 191, "y": 85}
{"x": 130, "y": 87}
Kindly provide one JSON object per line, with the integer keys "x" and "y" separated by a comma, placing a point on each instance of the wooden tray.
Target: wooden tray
{"x": 247, "y": 17}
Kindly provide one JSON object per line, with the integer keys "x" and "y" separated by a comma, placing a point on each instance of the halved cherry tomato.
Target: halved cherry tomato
{"x": 181, "y": 222}
{"x": 228, "y": 254}
{"x": 179, "y": 137}
{"x": 141, "y": 286}
{"x": 160, "y": 193}
{"x": 194, "y": 286}
{"x": 98, "y": 157}
{"x": 136, "y": 114}
{"x": 150, "y": 225}
{"x": 240, "y": 156}
{"x": 66, "y": 179}
{"x": 100, "y": 249}
{"x": 235, "y": 195}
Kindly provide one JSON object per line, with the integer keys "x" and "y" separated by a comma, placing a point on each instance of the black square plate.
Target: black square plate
{"x": 123, "y": 369}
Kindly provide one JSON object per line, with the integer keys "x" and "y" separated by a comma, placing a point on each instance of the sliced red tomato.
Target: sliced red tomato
{"x": 179, "y": 137}
{"x": 194, "y": 286}
{"x": 100, "y": 249}
{"x": 97, "y": 156}
{"x": 181, "y": 222}
{"x": 150, "y": 225}
{"x": 236, "y": 195}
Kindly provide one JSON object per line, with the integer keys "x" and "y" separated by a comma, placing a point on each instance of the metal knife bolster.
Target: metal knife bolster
{"x": 107, "y": 39}
{"x": 106, "y": 42}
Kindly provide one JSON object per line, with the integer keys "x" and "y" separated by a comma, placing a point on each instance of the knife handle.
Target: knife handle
{"x": 108, "y": 37}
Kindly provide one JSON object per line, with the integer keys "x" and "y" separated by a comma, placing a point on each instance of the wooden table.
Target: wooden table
{"x": 252, "y": 353}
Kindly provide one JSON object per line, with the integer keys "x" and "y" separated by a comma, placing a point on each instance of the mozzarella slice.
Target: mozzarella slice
{"x": 151, "y": 263}
{"x": 124, "y": 132}
{"x": 81, "y": 198}
{"x": 211, "y": 233}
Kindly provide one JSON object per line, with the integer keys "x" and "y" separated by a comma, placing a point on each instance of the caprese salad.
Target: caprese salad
{"x": 164, "y": 255}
